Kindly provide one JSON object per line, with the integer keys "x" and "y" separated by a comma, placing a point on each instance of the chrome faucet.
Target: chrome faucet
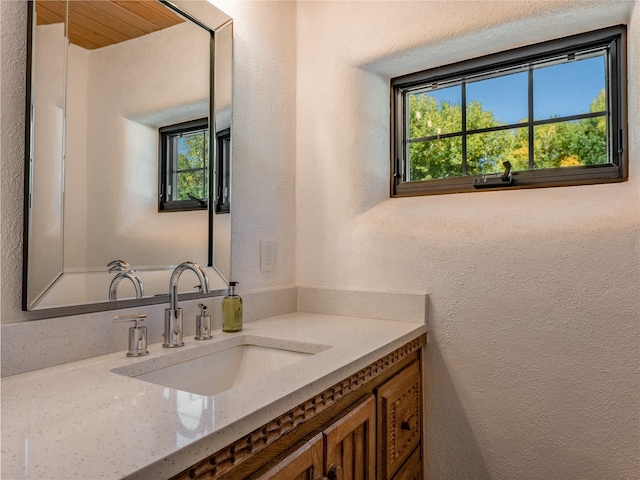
{"x": 118, "y": 278}
{"x": 173, "y": 314}
{"x": 124, "y": 271}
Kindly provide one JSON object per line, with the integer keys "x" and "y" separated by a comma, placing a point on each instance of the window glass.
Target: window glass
{"x": 193, "y": 153}
{"x": 486, "y": 152}
{"x": 570, "y": 88}
{"x": 570, "y": 144}
{"x": 441, "y": 158}
{"x": 497, "y": 101}
{"x": 435, "y": 112}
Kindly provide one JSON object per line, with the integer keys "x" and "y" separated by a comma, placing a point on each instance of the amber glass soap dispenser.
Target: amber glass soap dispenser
{"x": 232, "y": 310}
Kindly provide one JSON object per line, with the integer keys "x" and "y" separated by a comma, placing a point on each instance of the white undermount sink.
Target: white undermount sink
{"x": 216, "y": 372}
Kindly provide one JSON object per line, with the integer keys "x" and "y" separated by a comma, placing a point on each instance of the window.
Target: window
{"x": 550, "y": 114}
{"x": 184, "y": 166}
{"x": 223, "y": 142}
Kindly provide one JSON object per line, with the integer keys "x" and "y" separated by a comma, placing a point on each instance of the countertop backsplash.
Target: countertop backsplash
{"x": 37, "y": 344}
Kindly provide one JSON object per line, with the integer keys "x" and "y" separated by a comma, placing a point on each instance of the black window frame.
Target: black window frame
{"x": 614, "y": 171}
{"x": 223, "y": 171}
{"x": 166, "y": 162}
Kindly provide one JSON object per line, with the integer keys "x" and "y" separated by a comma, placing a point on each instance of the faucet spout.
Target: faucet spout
{"x": 173, "y": 314}
{"x": 113, "y": 288}
{"x": 175, "y": 276}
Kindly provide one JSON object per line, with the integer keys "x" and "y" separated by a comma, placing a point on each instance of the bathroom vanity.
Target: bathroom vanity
{"x": 372, "y": 417}
{"x": 358, "y": 389}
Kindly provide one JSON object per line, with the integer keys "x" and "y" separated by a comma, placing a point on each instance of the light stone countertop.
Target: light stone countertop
{"x": 81, "y": 420}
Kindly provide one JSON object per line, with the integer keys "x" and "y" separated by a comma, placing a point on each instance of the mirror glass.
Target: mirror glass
{"x": 106, "y": 77}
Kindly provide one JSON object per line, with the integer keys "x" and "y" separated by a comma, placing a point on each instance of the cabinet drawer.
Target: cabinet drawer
{"x": 412, "y": 469}
{"x": 399, "y": 419}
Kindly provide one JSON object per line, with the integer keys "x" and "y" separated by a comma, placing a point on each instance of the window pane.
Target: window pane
{"x": 569, "y": 88}
{"x": 191, "y": 183}
{"x": 432, "y": 159}
{"x": 435, "y": 112}
{"x": 567, "y": 144}
{"x": 486, "y": 152}
{"x": 192, "y": 150}
{"x": 497, "y": 101}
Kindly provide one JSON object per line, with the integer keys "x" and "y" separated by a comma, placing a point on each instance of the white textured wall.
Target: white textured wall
{"x": 12, "y": 117}
{"x": 532, "y": 364}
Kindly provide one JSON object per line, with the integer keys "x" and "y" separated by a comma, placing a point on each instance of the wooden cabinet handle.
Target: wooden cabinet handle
{"x": 335, "y": 472}
{"x": 405, "y": 424}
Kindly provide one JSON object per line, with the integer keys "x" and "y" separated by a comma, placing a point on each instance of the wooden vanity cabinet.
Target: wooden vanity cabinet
{"x": 366, "y": 427}
{"x": 346, "y": 449}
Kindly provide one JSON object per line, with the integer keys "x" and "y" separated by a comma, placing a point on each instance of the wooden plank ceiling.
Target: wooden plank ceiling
{"x": 98, "y": 23}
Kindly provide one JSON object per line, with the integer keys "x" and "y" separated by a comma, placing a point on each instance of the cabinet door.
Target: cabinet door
{"x": 305, "y": 463}
{"x": 351, "y": 444}
{"x": 399, "y": 422}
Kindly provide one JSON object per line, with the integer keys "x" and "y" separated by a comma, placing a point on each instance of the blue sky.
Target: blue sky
{"x": 559, "y": 90}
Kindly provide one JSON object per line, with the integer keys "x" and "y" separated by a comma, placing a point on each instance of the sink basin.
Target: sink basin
{"x": 216, "y": 372}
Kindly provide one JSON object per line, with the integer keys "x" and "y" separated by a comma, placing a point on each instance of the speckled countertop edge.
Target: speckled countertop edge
{"x": 81, "y": 420}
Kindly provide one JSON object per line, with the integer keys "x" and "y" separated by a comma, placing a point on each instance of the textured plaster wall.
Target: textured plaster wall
{"x": 12, "y": 93}
{"x": 532, "y": 363}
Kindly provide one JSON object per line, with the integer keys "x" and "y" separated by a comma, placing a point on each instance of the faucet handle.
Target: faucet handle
{"x": 134, "y": 317}
{"x": 137, "y": 334}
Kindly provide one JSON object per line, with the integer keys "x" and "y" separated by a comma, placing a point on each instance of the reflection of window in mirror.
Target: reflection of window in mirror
{"x": 184, "y": 166}
{"x": 223, "y": 146}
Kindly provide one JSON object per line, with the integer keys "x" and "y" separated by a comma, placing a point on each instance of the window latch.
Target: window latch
{"x": 495, "y": 180}
{"x": 201, "y": 202}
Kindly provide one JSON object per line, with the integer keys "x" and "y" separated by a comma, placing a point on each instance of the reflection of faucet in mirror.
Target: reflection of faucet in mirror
{"x": 124, "y": 271}
{"x": 119, "y": 266}
{"x": 173, "y": 314}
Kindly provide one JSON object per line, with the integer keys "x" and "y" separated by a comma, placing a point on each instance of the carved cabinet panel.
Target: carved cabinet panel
{"x": 399, "y": 419}
{"x": 351, "y": 444}
{"x": 305, "y": 463}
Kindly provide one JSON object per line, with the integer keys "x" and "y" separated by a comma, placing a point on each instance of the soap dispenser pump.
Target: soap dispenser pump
{"x": 232, "y": 310}
{"x": 137, "y": 334}
{"x": 203, "y": 324}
